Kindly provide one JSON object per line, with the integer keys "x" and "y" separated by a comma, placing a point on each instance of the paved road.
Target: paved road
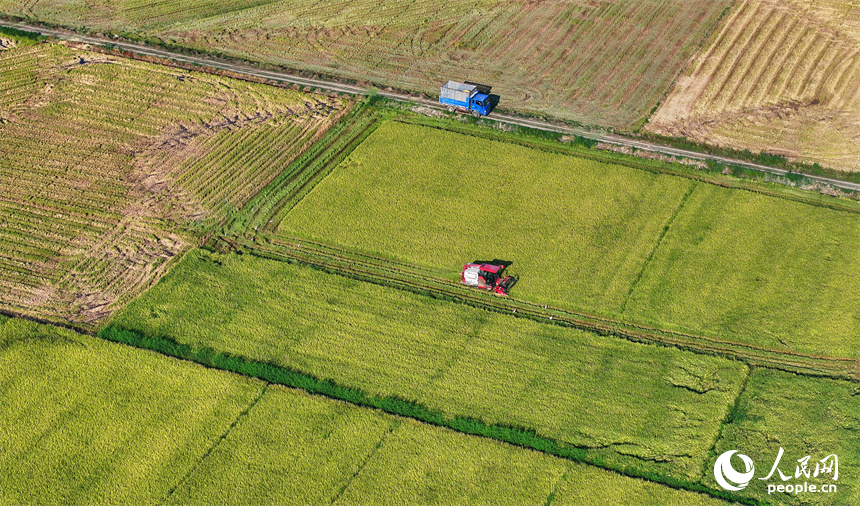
{"x": 359, "y": 90}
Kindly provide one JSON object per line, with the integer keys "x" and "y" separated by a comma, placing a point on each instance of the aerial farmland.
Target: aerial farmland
{"x": 237, "y": 238}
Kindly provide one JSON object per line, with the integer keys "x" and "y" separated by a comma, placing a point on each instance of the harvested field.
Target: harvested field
{"x": 777, "y": 76}
{"x": 604, "y": 63}
{"x": 603, "y": 394}
{"x": 112, "y": 167}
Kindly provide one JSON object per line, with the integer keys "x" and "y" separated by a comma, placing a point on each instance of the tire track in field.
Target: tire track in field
{"x": 242, "y": 414}
{"x": 379, "y": 271}
{"x": 394, "y": 426}
{"x": 728, "y": 419}
{"x": 552, "y": 495}
{"x": 659, "y": 241}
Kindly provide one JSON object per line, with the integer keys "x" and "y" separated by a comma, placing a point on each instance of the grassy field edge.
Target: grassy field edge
{"x": 552, "y": 142}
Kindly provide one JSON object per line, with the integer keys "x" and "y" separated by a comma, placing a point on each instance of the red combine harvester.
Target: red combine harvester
{"x": 489, "y": 277}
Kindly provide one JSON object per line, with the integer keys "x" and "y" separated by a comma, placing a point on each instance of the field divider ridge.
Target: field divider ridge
{"x": 394, "y": 426}
{"x": 729, "y": 418}
{"x": 398, "y": 275}
{"x": 657, "y": 245}
{"x": 518, "y": 436}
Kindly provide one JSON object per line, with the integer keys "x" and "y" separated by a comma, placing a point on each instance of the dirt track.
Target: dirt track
{"x": 360, "y": 90}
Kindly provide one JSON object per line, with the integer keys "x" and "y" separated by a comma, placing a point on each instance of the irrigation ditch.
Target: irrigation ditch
{"x": 517, "y": 436}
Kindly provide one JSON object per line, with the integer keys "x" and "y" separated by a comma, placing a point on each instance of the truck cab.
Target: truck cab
{"x": 481, "y": 103}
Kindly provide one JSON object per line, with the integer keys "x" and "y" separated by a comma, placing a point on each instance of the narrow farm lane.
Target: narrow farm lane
{"x": 597, "y": 135}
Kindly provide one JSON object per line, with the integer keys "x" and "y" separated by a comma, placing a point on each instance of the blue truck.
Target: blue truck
{"x": 466, "y": 97}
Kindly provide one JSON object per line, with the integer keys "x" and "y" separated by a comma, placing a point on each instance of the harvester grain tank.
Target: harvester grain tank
{"x": 466, "y": 97}
{"x": 489, "y": 277}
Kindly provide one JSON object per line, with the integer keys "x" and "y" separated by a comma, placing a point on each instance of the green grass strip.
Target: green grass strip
{"x": 518, "y": 436}
{"x": 21, "y": 34}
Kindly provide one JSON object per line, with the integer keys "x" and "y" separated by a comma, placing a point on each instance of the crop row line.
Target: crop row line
{"x": 267, "y": 208}
{"x": 379, "y": 271}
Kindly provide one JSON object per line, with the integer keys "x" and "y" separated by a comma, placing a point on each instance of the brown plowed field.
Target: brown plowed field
{"x": 781, "y": 76}
{"x": 598, "y": 62}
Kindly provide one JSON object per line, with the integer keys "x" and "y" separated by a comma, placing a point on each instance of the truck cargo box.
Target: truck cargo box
{"x": 458, "y": 94}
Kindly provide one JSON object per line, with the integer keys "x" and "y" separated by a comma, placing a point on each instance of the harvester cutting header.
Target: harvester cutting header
{"x": 489, "y": 277}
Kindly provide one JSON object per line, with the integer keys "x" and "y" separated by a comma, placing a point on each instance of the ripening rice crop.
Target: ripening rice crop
{"x": 598, "y": 237}
{"x": 601, "y": 393}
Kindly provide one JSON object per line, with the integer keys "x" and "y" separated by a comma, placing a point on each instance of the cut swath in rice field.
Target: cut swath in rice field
{"x": 605, "y": 63}
{"x": 268, "y": 208}
{"x": 438, "y": 200}
{"x": 597, "y": 238}
{"x": 111, "y": 168}
{"x": 455, "y": 358}
{"x": 780, "y": 77}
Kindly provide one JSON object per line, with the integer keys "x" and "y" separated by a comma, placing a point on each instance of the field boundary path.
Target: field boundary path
{"x": 415, "y": 279}
{"x": 285, "y": 77}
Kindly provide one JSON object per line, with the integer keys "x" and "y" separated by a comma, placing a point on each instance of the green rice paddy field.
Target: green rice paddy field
{"x": 805, "y": 417}
{"x": 633, "y": 406}
{"x": 290, "y": 435}
{"x": 599, "y": 237}
{"x": 86, "y": 421}
{"x": 629, "y": 403}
